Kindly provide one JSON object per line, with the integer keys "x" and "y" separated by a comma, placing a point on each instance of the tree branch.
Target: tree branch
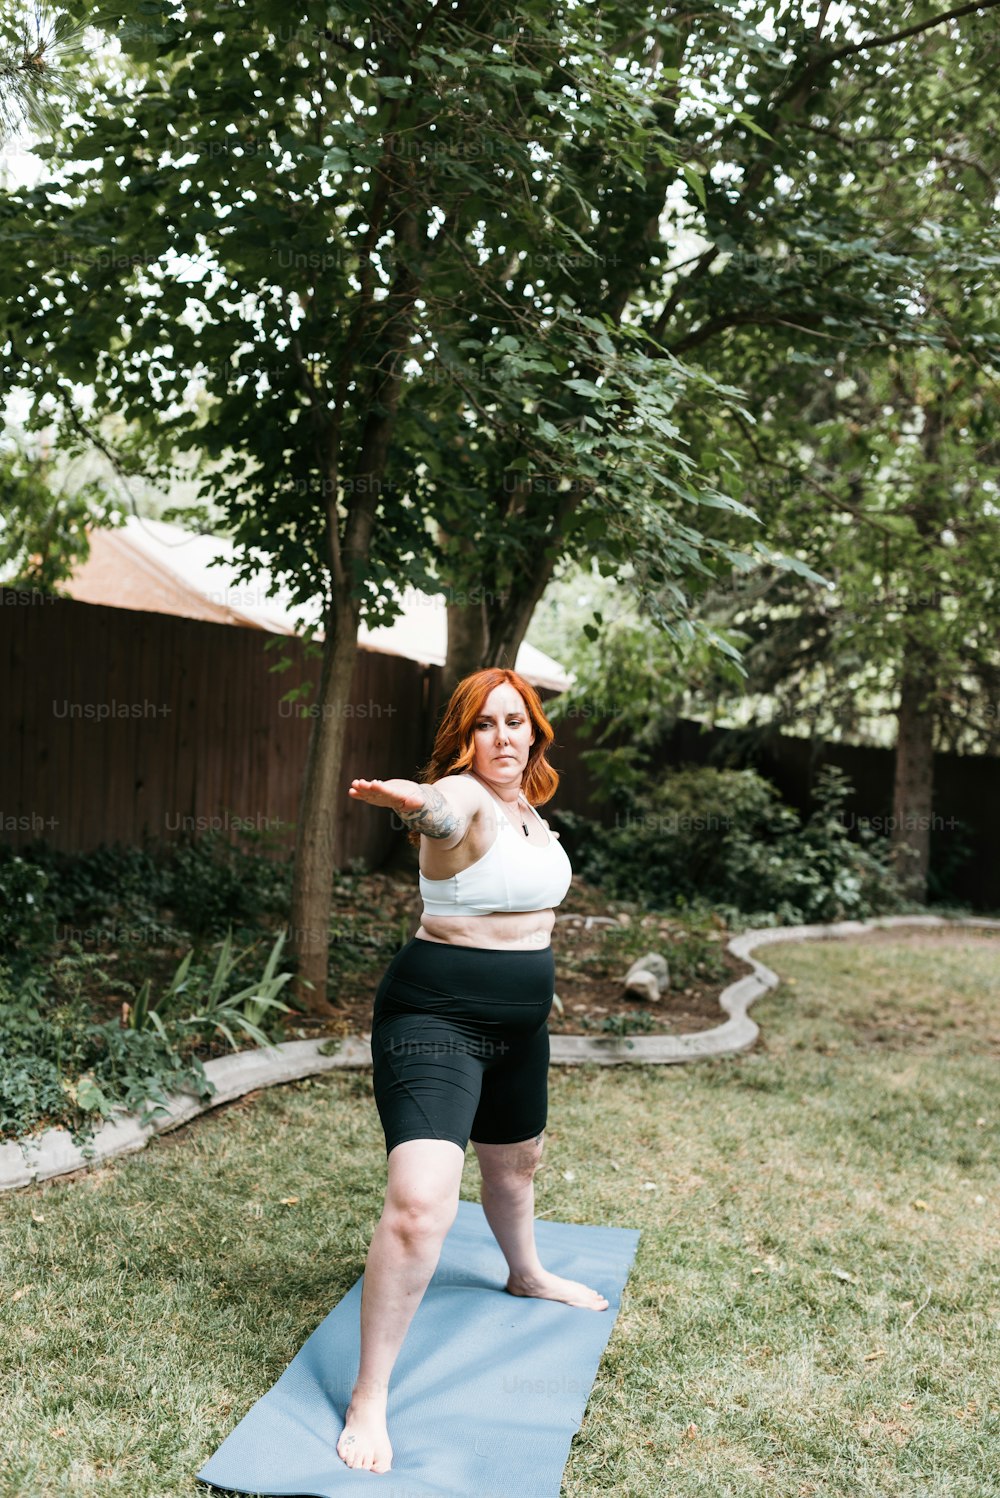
{"x": 850, "y": 48}
{"x": 745, "y": 319}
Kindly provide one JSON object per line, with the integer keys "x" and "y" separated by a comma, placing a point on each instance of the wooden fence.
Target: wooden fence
{"x": 120, "y": 726}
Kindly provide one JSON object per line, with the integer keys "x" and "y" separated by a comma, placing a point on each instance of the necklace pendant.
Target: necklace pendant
{"x": 525, "y": 826}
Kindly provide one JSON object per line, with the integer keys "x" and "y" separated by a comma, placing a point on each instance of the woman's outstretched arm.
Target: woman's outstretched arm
{"x": 424, "y": 807}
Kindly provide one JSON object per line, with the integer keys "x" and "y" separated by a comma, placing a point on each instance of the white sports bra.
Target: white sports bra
{"x": 512, "y": 874}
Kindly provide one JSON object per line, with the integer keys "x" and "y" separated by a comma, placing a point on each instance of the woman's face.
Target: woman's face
{"x": 503, "y": 736}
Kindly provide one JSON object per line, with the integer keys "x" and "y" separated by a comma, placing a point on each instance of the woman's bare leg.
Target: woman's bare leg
{"x": 508, "y": 1197}
{"x": 421, "y": 1203}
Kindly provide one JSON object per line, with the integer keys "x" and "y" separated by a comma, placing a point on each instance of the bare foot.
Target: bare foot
{"x": 364, "y": 1441}
{"x": 552, "y": 1287}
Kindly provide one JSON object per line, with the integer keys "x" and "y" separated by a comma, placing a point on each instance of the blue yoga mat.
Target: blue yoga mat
{"x": 485, "y": 1396}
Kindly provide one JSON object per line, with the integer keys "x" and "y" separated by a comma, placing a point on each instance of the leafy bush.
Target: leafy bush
{"x": 58, "y": 1067}
{"x": 26, "y": 927}
{"x": 204, "y": 883}
{"x": 213, "y": 884}
{"x": 245, "y": 1010}
{"x": 723, "y": 838}
{"x": 80, "y": 931}
{"x": 112, "y": 881}
{"x": 693, "y": 957}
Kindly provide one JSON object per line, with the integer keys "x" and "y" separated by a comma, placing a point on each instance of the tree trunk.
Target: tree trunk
{"x": 489, "y": 632}
{"x": 349, "y": 561}
{"x": 314, "y": 836}
{"x": 468, "y": 635}
{"x": 913, "y": 788}
{"x": 318, "y": 806}
{"x": 508, "y": 626}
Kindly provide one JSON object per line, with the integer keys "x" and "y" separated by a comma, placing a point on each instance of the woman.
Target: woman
{"x": 460, "y": 1045}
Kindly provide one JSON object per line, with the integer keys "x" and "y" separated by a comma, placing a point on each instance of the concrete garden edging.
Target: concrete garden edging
{"x": 53, "y": 1153}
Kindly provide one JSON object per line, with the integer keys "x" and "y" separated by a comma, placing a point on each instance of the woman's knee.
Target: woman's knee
{"x": 421, "y": 1200}
{"x": 417, "y": 1213}
{"x": 510, "y": 1165}
{"x": 417, "y": 1221}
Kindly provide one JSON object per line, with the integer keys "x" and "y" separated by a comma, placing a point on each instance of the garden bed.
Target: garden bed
{"x": 128, "y": 972}
{"x": 121, "y": 987}
{"x": 594, "y": 943}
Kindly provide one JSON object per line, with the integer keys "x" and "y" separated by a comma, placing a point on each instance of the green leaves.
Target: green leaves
{"x": 791, "y": 564}
{"x": 337, "y": 159}
{"x": 217, "y": 1010}
{"x": 90, "y": 1098}
{"x": 693, "y": 178}
{"x": 473, "y": 234}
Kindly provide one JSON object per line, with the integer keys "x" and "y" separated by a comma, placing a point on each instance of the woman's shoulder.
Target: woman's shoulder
{"x": 463, "y": 792}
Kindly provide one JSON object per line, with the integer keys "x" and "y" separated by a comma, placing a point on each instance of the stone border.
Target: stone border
{"x": 53, "y": 1153}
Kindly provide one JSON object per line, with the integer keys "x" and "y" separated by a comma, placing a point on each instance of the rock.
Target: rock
{"x": 643, "y": 985}
{"x": 649, "y": 977}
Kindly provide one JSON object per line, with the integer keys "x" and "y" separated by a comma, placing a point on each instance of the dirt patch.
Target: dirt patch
{"x": 682, "y": 1009}
{"x": 587, "y": 1002}
{"x": 957, "y": 1025}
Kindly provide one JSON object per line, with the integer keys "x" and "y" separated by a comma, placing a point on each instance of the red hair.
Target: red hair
{"x": 454, "y": 747}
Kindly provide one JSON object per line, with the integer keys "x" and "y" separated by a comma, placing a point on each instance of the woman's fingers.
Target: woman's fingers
{"x": 364, "y": 791}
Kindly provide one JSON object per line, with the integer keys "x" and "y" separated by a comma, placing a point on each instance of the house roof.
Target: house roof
{"x": 161, "y": 568}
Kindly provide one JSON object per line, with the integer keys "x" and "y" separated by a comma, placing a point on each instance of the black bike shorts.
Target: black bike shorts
{"x": 460, "y": 1044}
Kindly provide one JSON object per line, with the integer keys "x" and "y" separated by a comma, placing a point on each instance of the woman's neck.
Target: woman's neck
{"x": 508, "y": 800}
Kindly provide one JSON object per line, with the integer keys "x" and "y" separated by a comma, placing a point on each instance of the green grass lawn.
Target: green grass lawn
{"x": 814, "y": 1306}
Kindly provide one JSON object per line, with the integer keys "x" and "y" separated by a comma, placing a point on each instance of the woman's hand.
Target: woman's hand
{"x": 423, "y": 808}
{"x": 399, "y": 795}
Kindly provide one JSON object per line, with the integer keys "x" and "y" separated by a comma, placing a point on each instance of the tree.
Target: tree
{"x": 290, "y": 214}
{"x": 359, "y": 236}
{"x": 884, "y": 476}
{"x": 789, "y": 253}
{"x": 872, "y": 449}
{"x": 885, "y": 483}
{"x": 43, "y": 530}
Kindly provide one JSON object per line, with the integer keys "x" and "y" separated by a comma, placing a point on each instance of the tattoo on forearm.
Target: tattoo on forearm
{"x": 435, "y": 818}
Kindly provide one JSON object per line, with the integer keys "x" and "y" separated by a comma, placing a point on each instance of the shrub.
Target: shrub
{"x": 205, "y": 883}
{"x": 114, "y": 880}
{"x": 212, "y": 884}
{"x": 58, "y": 1067}
{"x": 724, "y": 838}
{"x": 26, "y": 925}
